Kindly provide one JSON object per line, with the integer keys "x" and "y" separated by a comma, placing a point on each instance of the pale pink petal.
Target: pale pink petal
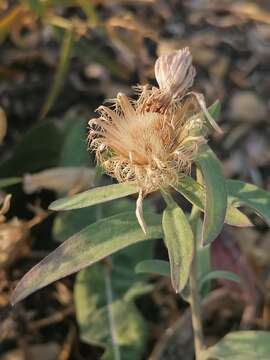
{"x": 174, "y": 72}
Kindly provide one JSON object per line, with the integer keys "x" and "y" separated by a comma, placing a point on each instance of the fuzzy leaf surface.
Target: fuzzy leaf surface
{"x": 94, "y": 196}
{"x": 216, "y": 194}
{"x": 240, "y": 345}
{"x": 179, "y": 240}
{"x": 159, "y": 267}
{"x": 104, "y": 292}
{"x": 88, "y": 246}
{"x": 195, "y": 193}
{"x": 219, "y": 274}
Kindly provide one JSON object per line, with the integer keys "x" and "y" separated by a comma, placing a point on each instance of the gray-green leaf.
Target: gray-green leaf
{"x": 216, "y": 194}
{"x": 9, "y": 181}
{"x": 74, "y": 149}
{"x": 214, "y": 109}
{"x": 219, "y": 274}
{"x": 244, "y": 194}
{"x": 94, "y": 196}
{"x": 159, "y": 267}
{"x": 195, "y": 193}
{"x": 88, "y": 246}
{"x": 179, "y": 240}
{"x": 240, "y": 345}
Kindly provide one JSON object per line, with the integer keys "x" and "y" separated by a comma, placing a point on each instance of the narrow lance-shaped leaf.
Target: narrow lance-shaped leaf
{"x": 88, "y": 246}
{"x": 216, "y": 194}
{"x": 94, "y": 196}
{"x": 219, "y": 274}
{"x": 159, "y": 267}
{"x": 244, "y": 194}
{"x": 179, "y": 240}
{"x": 214, "y": 109}
{"x": 235, "y": 217}
{"x": 9, "y": 181}
{"x": 240, "y": 345}
{"x": 195, "y": 193}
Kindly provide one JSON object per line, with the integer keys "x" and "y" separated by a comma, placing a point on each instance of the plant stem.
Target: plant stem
{"x": 195, "y": 308}
{"x": 109, "y": 295}
{"x": 194, "y": 295}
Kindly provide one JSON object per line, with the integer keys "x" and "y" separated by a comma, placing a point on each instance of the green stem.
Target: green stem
{"x": 109, "y": 296}
{"x": 194, "y": 295}
{"x": 195, "y": 308}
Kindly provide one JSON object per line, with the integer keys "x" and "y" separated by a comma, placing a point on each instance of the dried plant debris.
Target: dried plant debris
{"x": 47, "y": 351}
{"x": 61, "y": 179}
{"x": 14, "y": 235}
{"x": 3, "y": 125}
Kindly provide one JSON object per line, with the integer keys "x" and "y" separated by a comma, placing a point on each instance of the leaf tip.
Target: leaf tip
{"x": 14, "y": 298}
{"x": 53, "y": 206}
{"x": 175, "y": 281}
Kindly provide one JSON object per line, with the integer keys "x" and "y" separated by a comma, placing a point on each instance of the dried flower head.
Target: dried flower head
{"x": 152, "y": 141}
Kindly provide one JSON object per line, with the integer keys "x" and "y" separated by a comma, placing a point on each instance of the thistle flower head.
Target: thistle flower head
{"x": 148, "y": 148}
{"x": 153, "y": 140}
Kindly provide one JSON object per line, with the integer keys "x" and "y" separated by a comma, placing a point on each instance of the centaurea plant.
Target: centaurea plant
{"x": 152, "y": 144}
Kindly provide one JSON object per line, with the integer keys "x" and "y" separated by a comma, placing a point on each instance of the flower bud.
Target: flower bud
{"x": 174, "y": 73}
